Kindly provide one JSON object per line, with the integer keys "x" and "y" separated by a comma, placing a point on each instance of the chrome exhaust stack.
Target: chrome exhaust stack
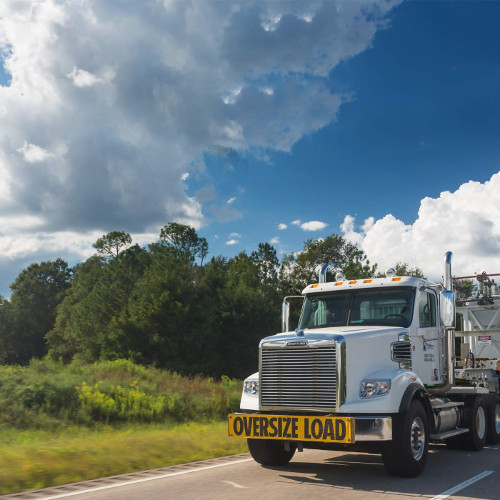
{"x": 322, "y": 269}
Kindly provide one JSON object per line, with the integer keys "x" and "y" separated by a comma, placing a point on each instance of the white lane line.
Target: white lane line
{"x": 136, "y": 481}
{"x": 463, "y": 485}
{"x": 236, "y": 485}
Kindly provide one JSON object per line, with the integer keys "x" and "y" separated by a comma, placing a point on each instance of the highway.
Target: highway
{"x": 315, "y": 474}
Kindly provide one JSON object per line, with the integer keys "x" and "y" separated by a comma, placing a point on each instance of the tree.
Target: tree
{"x": 36, "y": 293}
{"x": 299, "y": 270}
{"x": 184, "y": 239}
{"x": 463, "y": 288}
{"x": 113, "y": 243}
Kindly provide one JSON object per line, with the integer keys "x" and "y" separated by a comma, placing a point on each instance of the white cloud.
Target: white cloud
{"x": 235, "y": 235}
{"x": 314, "y": 225}
{"x": 454, "y": 221}
{"x": 282, "y": 226}
{"x": 297, "y": 222}
{"x": 231, "y": 200}
{"x": 137, "y": 95}
{"x": 232, "y": 242}
{"x": 275, "y": 240}
{"x": 185, "y": 176}
{"x": 33, "y": 153}
{"x": 82, "y": 78}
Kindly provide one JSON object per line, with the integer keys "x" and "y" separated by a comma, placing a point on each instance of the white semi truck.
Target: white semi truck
{"x": 372, "y": 367}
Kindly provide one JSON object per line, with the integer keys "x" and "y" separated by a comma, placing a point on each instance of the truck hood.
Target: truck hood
{"x": 335, "y": 333}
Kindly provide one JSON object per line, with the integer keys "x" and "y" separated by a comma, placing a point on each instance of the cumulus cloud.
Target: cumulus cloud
{"x": 275, "y": 240}
{"x": 282, "y": 226}
{"x": 466, "y": 221}
{"x": 114, "y": 105}
{"x": 314, "y": 225}
{"x": 297, "y": 222}
{"x": 231, "y": 200}
{"x": 232, "y": 242}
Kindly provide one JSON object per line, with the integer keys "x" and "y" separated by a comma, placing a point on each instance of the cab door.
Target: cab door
{"x": 428, "y": 340}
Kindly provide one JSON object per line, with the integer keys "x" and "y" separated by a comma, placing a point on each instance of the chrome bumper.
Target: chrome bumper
{"x": 373, "y": 428}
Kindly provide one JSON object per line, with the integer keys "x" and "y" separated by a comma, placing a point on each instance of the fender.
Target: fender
{"x": 416, "y": 391}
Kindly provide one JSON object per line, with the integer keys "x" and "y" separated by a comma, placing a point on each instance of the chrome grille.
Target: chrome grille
{"x": 304, "y": 378}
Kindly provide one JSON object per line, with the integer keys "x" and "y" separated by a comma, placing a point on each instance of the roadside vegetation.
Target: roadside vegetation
{"x": 133, "y": 358}
{"x": 63, "y": 423}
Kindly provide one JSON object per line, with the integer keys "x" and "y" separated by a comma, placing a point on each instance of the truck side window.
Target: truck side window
{"x": 427, "y": 309}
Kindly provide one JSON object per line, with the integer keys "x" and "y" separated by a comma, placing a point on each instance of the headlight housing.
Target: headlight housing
{"x": 372, "y": 388}
{"x": 251, "y": 387}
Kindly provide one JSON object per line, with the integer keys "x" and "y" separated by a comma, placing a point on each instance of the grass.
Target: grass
{"x": 31, "y": 459}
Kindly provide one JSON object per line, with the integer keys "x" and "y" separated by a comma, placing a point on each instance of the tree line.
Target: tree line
{"x": 165, "y": 304}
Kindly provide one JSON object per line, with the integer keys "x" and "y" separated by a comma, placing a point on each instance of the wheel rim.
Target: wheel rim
{"x": 417, "y": 438}
{"x": 480, "y": 423}
{"x": 497, "y": 418}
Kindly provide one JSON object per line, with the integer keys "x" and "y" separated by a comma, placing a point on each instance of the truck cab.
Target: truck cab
{"x": 370, "y": 367}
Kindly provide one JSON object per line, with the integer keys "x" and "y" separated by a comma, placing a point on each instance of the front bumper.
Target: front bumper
{"x": 327, "y": 429}
{"x": 373, "y": 428}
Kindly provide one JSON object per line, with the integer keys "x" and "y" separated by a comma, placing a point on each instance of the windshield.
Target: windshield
{"x": 381, "y": 306}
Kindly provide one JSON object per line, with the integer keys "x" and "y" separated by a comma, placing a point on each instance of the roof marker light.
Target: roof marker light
{"x": 314, "y": 286}
{"x": 396, "y": 279}
{"x": 367, "y": 281}
{"x": 352, "y": 282}
{"x": 339, "y": 283}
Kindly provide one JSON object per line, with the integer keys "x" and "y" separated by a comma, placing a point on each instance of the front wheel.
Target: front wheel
{"x": 406, "y": 454}
{"x": 270, "y": 451}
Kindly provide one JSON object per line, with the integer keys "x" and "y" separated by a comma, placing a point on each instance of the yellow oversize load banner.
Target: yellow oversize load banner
{"x": 293, "y": 427}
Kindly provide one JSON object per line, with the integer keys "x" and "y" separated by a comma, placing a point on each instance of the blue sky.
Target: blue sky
{"x": 424, "y": 119}
{"x": 377, "y": 121}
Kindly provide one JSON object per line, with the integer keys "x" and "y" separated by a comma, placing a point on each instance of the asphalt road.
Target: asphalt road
{"x": 311, "y": 474}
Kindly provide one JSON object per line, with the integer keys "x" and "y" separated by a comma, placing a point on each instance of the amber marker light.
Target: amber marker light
{"x": 314, "y": 286}
{"x": 352, "y": 282}
{"x": 396, "y": 279}
{"x": 367, "y": 281}
{"x": 339, "y": 283}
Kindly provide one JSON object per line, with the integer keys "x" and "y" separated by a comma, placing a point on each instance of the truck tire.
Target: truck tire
{"x": 406, "y": 454}
{"x": 270, "y": 451}
{"x": 474, "y": 418}
{"x": 493, "y": 420}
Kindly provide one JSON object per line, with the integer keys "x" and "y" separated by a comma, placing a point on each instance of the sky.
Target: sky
{"x": 252, "y": 121}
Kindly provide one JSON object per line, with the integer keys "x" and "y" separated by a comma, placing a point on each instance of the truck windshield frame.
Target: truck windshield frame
{"x": 381, "y": 306}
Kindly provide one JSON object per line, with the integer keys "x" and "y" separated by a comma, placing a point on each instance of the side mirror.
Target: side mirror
{"x": 447, "y": 308}
{"x": 285, "y": 312}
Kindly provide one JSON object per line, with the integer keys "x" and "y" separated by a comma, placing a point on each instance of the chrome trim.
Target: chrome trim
{"x": 341, "y": 372}
{"x": 373, "y": 428}
{"x": 401, "y": 351}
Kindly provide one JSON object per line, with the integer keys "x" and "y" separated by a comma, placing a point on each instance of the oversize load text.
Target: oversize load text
{"x": 303, "y": 428}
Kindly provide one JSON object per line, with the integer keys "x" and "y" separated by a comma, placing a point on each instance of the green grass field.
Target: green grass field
{"x": 31, "y": 459}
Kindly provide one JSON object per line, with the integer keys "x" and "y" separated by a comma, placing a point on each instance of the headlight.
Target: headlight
{"x": 251, "y": 387}
{"x": 373, "y": 388}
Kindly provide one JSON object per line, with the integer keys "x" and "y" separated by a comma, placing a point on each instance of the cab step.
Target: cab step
{"x": 448, "y": 434}
{"x": 438, "y": 405}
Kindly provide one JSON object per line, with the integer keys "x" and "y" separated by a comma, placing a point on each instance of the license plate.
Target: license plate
{"x": 292, "y": 427}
